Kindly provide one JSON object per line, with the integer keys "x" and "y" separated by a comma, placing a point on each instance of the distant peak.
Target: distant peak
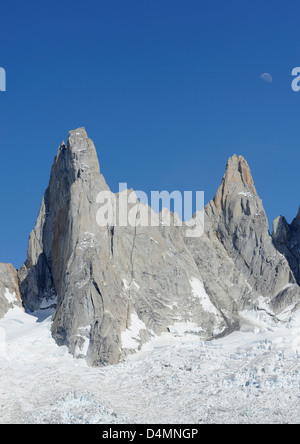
{"x": 237, "y": 176}
{"x": 238, "y": 170}
{"x": 296, "y": 221}
{"x": 78, "y": 155}
{"x": 281, "y": 229}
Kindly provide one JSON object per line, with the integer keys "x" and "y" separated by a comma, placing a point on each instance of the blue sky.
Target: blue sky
{"x": 167, "y": 89}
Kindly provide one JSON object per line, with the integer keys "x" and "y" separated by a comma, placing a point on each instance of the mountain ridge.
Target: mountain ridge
{"x": 113, "y": 289}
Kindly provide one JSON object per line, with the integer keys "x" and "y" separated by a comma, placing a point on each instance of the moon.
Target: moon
{"x": 267, "y": 77}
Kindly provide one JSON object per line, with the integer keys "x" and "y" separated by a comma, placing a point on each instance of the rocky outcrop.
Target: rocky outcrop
{"x": 287, "y": 240}
{"x": 241, "y": 225}
{"x": 113, "y": 286}
{"x": 9, "y": 289}
{"x": 225, "y": 284}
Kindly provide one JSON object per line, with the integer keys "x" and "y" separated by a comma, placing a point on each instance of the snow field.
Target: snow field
{"x": 251, "y": 376}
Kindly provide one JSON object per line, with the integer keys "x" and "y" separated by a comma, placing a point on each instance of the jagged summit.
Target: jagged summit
{"x": 78, "y": 140}
{"x": 114, "y": 287}
{"x": 79, "y": 133}
{"x": 237, "y": 179}
{"x": 286, "y": 237}
{"x": 280, "y": 229}
{"x": 241, "y": 224}
{"x": 238, "y": 170}
{"x": 296, "y": 221}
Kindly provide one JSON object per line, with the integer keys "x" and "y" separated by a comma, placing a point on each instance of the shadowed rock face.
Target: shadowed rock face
{"x": 287, "y": 240}
{"x": 115, "y": 287}
{"x": 9, "y": 289}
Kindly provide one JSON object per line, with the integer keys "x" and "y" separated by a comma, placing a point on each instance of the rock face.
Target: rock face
{"x": 115, "y": 286}
{"x": 239, "y": 219}
{"x": 9, "y": 289}
{"x": 287, "y": 240}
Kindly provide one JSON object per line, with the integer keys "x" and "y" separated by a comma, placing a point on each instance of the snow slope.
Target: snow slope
{"x": 251, "y": 376}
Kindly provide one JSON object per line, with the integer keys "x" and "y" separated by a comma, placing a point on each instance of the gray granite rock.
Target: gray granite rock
{"x": 241, "y": 224}
{"x": 114, "y": 286}
{"x": 9, "y": 289}
{"x": 287, "y": 240}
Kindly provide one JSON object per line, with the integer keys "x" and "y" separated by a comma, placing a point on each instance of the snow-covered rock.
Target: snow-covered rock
{"x": 9, "y": 289}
